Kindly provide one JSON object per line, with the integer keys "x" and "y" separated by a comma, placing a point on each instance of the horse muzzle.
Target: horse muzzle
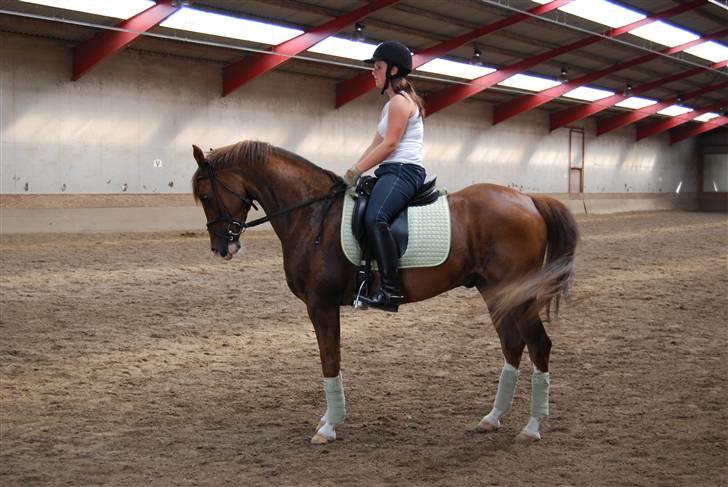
{"x": 226, "y": 249}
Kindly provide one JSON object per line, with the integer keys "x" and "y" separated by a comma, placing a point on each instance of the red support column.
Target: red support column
{"x": 446, "y": 97}
{"x": 660, "y": 126}
{"x": 89, "y": 53}
{"x": 237, "y": 74}
{"x": 678, "y": 135}
{"x": 633, "y": 116}
{"x": 353, "y": 88}
{"x": 525, "y": 103}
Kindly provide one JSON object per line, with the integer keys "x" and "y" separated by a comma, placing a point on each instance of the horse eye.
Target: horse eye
{"x": 205, "y": 200}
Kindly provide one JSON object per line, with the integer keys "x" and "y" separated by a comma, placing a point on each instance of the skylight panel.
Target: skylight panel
{"x": 663, "y": 33}
{"x": 528, "y": 82}
{"x": 613, "y": 15}
{"x": 194, "y": 20}
{"x": 600, "y": 11}
{"x": 675, "y": 110}
{"x": 706, "y": 116}
{"x": 720, "y": 3}
{"x": 636, "y": 102}
{"x": 456, "y": 69}
{"x": 588, "y": 94}
{"x": 345, "y": 48}
{"x": 712, "y": 51}
{"x": 117, "y": 10}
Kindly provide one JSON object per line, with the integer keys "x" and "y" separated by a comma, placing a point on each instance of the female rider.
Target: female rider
{"x": 397, "y": 151}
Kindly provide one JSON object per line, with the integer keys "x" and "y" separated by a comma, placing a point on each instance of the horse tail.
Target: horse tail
{"x": 562, "y": 235}
{"x": 554, "y": 279}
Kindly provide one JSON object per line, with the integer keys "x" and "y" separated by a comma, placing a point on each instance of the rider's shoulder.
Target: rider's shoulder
{"x": 400, "y": 103}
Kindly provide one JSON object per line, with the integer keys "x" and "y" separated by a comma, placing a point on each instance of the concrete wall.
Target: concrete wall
{"x": 715, "y": 175}
{"x": 714, "y": 149}
{"x": 106, "y": 130}
{"x": 127, "y": 127}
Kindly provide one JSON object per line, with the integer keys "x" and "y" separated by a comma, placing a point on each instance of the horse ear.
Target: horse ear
{"x": 199, "y": 156}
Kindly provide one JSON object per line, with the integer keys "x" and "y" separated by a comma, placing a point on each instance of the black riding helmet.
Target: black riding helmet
{"x": 394, "y": 53}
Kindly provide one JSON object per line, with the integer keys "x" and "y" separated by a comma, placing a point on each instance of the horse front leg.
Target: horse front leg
{"x": 326, "y": 323}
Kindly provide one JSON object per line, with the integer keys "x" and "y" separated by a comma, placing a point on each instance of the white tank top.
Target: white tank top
{"x": 409, "y": 149}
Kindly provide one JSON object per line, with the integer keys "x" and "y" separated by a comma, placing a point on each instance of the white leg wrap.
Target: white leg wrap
{"x": 335, "y": 400}
{"x": 539, "y": 402}
{"x": 540, "y": 394}
{"x": 504, "y": 394}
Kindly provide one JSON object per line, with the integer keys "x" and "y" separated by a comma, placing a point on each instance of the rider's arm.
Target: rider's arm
{"x": 375, "y": 142}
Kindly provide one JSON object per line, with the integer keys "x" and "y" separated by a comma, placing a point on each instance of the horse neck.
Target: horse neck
{"x": 282, "y": 183}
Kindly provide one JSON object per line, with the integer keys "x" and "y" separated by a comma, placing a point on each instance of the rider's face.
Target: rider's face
{"x": 380, "y": 73}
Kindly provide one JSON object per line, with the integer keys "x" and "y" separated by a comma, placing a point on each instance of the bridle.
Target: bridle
{"x": 235, "y": 227}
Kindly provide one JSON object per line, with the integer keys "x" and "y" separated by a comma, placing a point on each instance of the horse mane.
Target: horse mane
{"x": 247, "y": 152}
{"x": 251, "y": 153}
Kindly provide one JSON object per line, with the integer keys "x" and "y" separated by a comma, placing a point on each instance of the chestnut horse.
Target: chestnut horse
{"x": 516, "y": 249}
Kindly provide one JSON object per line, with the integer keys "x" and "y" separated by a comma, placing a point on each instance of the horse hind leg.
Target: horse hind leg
{"x": 512, "y": 346}
{"x": 539, "y": 349}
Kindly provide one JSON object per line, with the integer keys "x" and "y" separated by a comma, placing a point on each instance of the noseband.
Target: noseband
{"x": 235, "y": 228}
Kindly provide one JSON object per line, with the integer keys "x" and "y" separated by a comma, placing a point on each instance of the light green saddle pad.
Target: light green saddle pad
{"x": 429, "y": 234}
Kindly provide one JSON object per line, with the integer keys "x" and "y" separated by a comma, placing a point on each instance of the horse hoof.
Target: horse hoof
{"x": 486, "y": 427}
{"x": 321, "y": 423}
{"x": 319, "y": 439}
{"x": 525, "y": 438}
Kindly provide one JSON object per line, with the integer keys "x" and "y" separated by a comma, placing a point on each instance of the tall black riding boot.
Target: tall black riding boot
{"x": 389, "y": 295}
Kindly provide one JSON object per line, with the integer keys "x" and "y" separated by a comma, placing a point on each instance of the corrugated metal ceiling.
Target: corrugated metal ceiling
{"x": 422, "y": 24}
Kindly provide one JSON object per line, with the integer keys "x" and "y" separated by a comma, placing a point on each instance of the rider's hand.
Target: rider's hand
{"x": 352, "y": 176}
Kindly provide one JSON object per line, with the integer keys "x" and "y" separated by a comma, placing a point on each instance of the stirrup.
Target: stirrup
{"x": 359, "y": 302}
{"x": 384, "y": 301}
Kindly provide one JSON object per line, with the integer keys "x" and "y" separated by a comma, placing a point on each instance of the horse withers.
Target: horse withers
{"x": 516, "y": 250}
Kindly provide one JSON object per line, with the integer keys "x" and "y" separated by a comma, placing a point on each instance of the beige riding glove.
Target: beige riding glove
{"x": 352, "y": 176}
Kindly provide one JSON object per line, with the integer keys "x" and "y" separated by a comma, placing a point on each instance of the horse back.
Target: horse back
{"x": 495, "y": 205}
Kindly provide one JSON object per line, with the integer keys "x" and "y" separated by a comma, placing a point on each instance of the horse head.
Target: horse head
{"x": 226, "y": 203}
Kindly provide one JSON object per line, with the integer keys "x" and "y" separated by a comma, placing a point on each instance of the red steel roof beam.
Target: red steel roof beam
{"x": 524, "y": 103}
{"x": 237, "y": 74}
{"x": 103, "y": 45}
{"x": 660, "y": 126}
{"x": 578, "y": 112}
{"x": 446, "y": 97}
{"x": 624, "y": 119}
{"x": 685, "y": 133}
{"x": 353, "y": 88}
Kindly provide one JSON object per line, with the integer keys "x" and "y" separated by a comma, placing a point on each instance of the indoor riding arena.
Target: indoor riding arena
{"x": 148, "y": 337}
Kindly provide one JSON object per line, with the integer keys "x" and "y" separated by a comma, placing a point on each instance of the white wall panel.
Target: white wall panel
{"x": 106, "y": 130}
{"x": 715, "y": 175}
